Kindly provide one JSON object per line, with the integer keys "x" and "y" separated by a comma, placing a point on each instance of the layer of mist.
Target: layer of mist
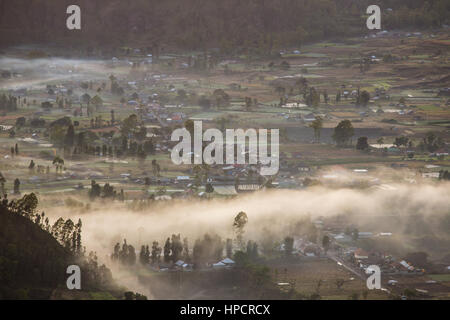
{"x": 271, "y": 213}
{"x": 275, "y": 210}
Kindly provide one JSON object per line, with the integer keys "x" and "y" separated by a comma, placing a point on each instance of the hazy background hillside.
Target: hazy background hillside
{"x": 198, "y": 24}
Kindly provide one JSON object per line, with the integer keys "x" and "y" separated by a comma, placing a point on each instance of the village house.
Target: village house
{"x": 225, "y": 263}
{"x": 360, "y": 254}
{"x": 309, "y": 117}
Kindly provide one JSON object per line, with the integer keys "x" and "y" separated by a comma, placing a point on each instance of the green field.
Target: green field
{"x": 440, "y": 277}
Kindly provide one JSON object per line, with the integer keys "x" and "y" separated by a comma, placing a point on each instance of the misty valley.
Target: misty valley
{"x": 208, "y": 150}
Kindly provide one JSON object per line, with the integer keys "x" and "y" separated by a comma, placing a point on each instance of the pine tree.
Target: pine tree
{"x": 156, "y": 253}
{"x": 17, "y": 186}
{"x": 167, "y": 250}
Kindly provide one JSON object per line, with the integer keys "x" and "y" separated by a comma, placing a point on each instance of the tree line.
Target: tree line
{"x": 8, "y": 102}
{"x": 249, "y": 26}
{"x": 207, "y": 249}
{"x": 35, "y": 254}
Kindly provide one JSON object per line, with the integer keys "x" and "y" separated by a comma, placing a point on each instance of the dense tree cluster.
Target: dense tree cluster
{"x": 444, "y": 175}
{"x": 29, "y": 257}
{"x": 107, "y": 191}
{"x": 34, "y": 254}
{"x": 362, "y": 144}
{"x": 238, "y": 225}
{"x": 431, "y": 142}
{"x": 343, "y": 132}
{"x": 251, "y": 26}
{"x": 208, "y": 249}
{"x": 8, "y": 102}
{"x": 132, "y": 141}
{"x": 125, "y": 254}
{"x": 67, "y": 233}
{"x": 173, "y": 249}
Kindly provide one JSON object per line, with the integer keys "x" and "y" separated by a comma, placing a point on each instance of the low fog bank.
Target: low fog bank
{"x": 277, "y": 211}
{"x": 272, "y": 214}
{"x": 37, "y": 73}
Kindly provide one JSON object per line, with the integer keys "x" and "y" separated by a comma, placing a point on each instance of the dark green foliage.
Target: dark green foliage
{"x": 129, "y": 295}
{"x": 239, "y": 223}
{"x": 167, "y": 250}
{"x": 417, "y": 259}
{"x": 285, "y": 65}
{"x": 252, "y": 250}
{"x": 8, "y": 103}
{"x": 37, "y": 122}
{"x": 108, "y": 191}
{"x": 16, "y": 186}
{"x": 20, "y": 122}
{"x": 288, "y": 246}
{"x": 250, "y": 274}
{"x": 29, "y": 256}
{"x": 156, "y": 252}
{"x": 127, "y": 254}
{"x": 207, "y": 250}
{"x": 62, "y": 122}
{"x": 364, "y": 98}
{"x": 362, "y": 144}
{"x": 326, "y": 242}
{"x": 245, "y": 25}
{"x": 149, "y": 147}
{"x": 313, "y": 98}
{"x": 34, "y": 256}
{"x": 432, "y": 142}
{"x": 177, "y": 248}
{"x": 70, "y": 136}
{"x": 209, "y": 188}
{"x": 444, "y": 175}
{"x": 343, "y": 133}
{"x": 95, "y": 190}
{"x": 401, "y": 141}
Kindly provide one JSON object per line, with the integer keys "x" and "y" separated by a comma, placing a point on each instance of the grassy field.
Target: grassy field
{"x": 440, "y": 277}
{"x": 321, "y": 276}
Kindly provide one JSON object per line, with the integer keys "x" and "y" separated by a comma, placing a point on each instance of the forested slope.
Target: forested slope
{"x": 199, "y": 24}
{"x": 30, "y": 258}
{"x": 34, "y": 255}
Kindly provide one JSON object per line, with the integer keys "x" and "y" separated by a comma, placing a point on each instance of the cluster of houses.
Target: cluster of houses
{"x": 237, "y": 178}
{"x": 228, "y": 180}
{"x": 155, "y": 113}
{"x": 304, "y": 248}
{"x": 380, "y": 93}
{"x": 362, "y": 259}
{"x": 181, "y": 265}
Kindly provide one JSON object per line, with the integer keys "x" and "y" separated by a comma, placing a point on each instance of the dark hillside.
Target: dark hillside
{"x": 34, "y": 255}
{"x": 32, "y": 262}
{"x": 230, "y": 25}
